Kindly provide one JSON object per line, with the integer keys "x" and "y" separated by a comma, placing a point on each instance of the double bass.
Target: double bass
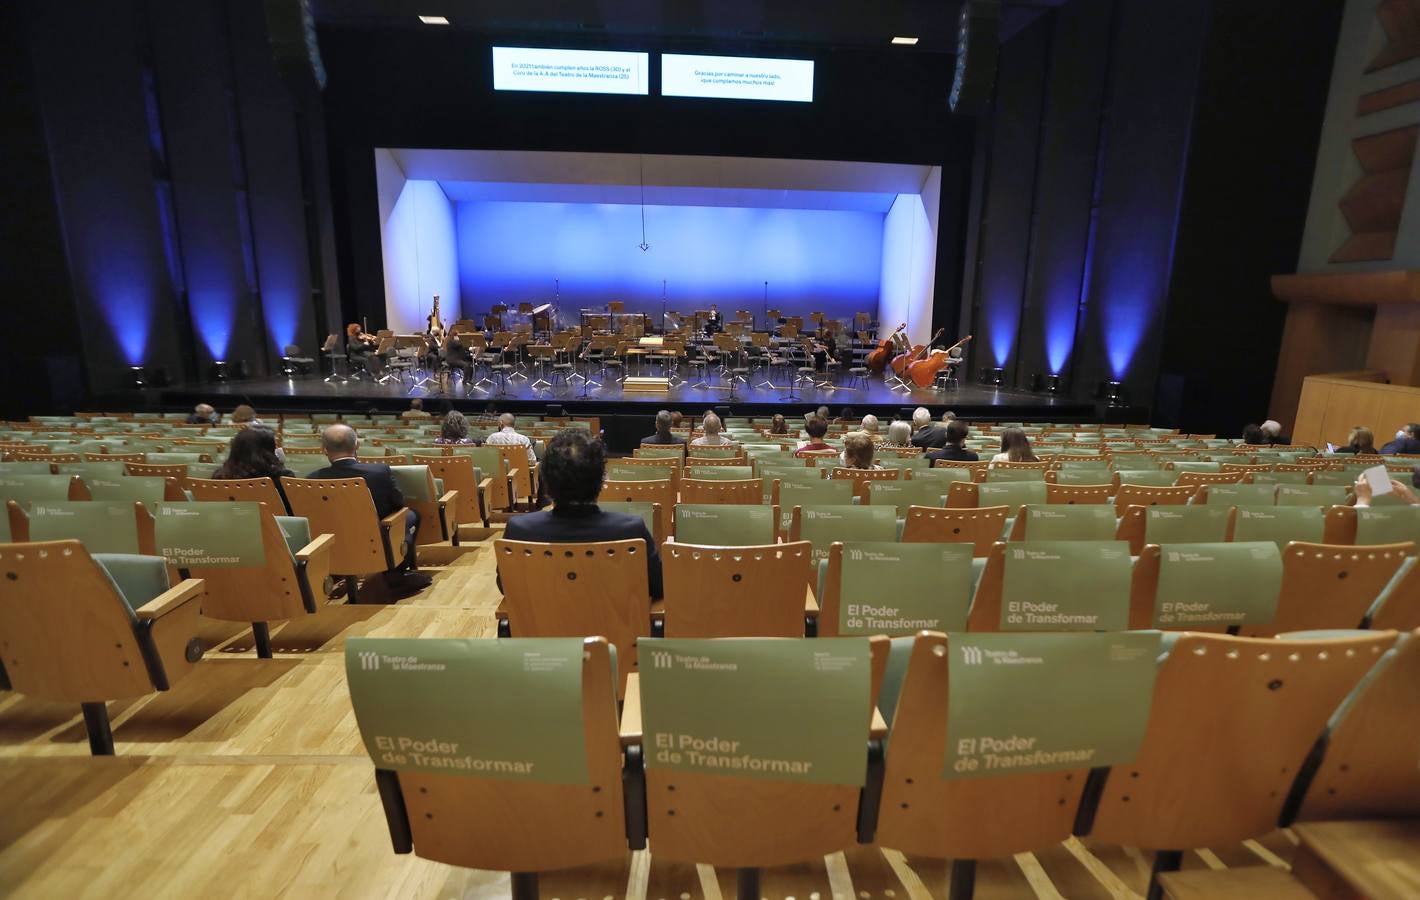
{"x": 923, "y": 372}
{"x": 903, "y": 360}
{"x": 878, "y": 359}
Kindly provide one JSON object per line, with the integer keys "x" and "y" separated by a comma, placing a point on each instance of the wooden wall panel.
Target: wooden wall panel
{"x": 1331, "y": 405}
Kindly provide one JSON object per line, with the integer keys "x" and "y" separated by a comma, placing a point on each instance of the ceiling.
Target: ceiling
{"x": 828, "y": 23}
{"x": 740, "y": 182}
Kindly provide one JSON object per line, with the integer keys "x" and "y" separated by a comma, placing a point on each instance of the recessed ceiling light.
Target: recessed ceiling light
{"x": 442, "y": 20}
{"x": 906, "y": 41}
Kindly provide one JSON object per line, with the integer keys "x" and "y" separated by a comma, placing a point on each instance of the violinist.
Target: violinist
{"x": 361, "y": 348}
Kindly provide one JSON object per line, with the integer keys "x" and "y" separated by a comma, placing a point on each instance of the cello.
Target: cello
{"x": 903, "y": 360}
{"x": 924, "y": 371}
{"x": 878, "y": 359}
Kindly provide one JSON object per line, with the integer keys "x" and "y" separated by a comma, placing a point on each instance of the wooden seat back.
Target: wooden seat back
{"x": 1211, "y": 525}
{"x": 176, "y": 471}
{"x": 578, "y": 590}
{"x": 258, "y": 490}
{"x": 961, "y": 818}
{"x": 343, "y": 507}
{"x": 269, "y": 592}
{"x": 862, "y": 478}
{"x": 981, "y": 527}
{"x": 1140, "y": 495}
{"x": 756, "y": 591}
{"x": 697, "y": 490}
{"x": 1330, "y": 586}
{"x": 1077, "y": 493}
{"x": 485, "y": 823}
{"x": 1232, "y": 721}
{"x": 662, "y": 492}
{"x": 1398, "y": 605}
{"x": 1144, "y": 588}
{"x": 458, "y": 474}
{"x": 69, "y": 636}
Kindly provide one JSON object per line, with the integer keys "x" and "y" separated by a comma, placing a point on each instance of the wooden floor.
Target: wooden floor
{"x": 249, "y": 779}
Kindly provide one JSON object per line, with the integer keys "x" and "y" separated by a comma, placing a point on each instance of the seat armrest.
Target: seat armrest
{"x": 394, "y": 551}
{"x": 484, "y": 487}
{"x": 512, "y": 488}
{"x": 449, "y": 515}
{"x": 630, "y": 728}
{"x": 167, "y": 629}
{"x": 313, "y": 568}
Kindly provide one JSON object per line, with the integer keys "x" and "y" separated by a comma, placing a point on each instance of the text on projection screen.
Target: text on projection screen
{"x": 569, "y": 71}
{"x": 737, "y": 77}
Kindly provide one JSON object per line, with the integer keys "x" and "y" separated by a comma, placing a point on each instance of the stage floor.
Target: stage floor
{"x": 973, "y": 401}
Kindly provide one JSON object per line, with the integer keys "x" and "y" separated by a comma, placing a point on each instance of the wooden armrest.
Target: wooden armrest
{"x": 810, "y": 602}
{"x": 630, "y": 728}
{"x": 395, "y": 519}
{"x": 484, "y": 487}
{"x": 172, "y": 599}
{"x": 320, "y": 546}
{"x": 878, "y": 728}
{"x": 449, "y": 498}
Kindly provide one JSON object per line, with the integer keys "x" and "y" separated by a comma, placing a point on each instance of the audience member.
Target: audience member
{"x": 253, "y": 454}
{"x": 1361, "y": 442}
{"x": 663, "y": 433}
{"x": 203, "y": 414}
{"x": 1272, "y": 432}
{"x": 869, "y": 424}
{"x": 507, "y": 435}
{"x": 573, "y": 470}
{"x": 1407, "y": 440}
{"x": 341, "y": 443}
{"x": 858, "y": 451}
{"x": 846, "y": 416}
{"x": 817, "y": 427}
{"x": 1363, "y": 492}
{"x": 927, "y": 434}
{"x": 1252, "y": 436}
{"x": 244, "y": 415}
{"x": 953, "y": 450}
{"x": 822, "y": 412}
{"x": 899, "y": 436}
{"x": 454, "y": 430}
{"x": 778, "y": 425}
{"x": 948, "y": 416}
{"x": 1015, "y": 447}
{"x": 712, "y": 436}
{"x": 415, "y": 411}
{"x": 677, "y": 418}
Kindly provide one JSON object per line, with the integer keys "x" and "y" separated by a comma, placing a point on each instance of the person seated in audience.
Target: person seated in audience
{"x": 817, "y": 427}
{"x": 948, "y": 416}
{"x": 846, "y": 416}
{"x": 245, "y": 416}
{"x": 1272, "y": 433}
{"x": 677, "y": 418}
{"x": 1361, "y": 442}
{"x": 1364, "y": 493}
{"x": 822, "y": 412}
{"x": 927, "y": 434}
{"x": 869, "y": 424}
{"x": 454, "y": 430}
{"x": 778, "y": 424}
{"x": 712, "y": 436}
{"x": 858, "y": 449}
{"x": 415, "y": 411}
{"x": 203, "y": 414}
{"x": 507, "y": 435}
{"x": 573, "y": 470}
{"x": 341, "y": 443}
{"x": 663, "y": 434}
{"x": 954, "y": 450}
{"x": 1015, "y": 447}
{"x": 899, "y": 436}
{"x": 1407, "y": 440}
{"x": 253, "y": 454}
{"x": 1252, "y": 436}
{"x": 360, "y": 347}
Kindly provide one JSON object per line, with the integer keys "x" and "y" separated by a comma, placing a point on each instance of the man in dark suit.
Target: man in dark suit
{"x": 340, "y": 443}
{"x": 572, "y": 473}
{"x": 927, "y": 434}
{"x": 954, "y": 450}
{"x": 663, "y": 433}
{"x": 1407, "y": 440}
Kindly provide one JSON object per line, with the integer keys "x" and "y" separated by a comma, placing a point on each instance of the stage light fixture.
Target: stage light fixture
{"x": 222, "y": 370}
{"x": 905, "y": 41}
{"x": 137, "y": 377}
{"x": 1047, "y": 384}
{"x": 434, "y": 20}
{"x": 993, "y": 377}
{"x": 1113, "y": 391}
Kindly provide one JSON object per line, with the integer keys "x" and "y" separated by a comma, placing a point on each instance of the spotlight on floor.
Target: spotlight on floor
{"x": 221, "y": 371}
{"x": 1113, "y": 391}
{"x": 141, "y": 377}
{"x": 993, "y": 377}
{"x": 137, "y": 377}
{"x": 1046, "y": 384}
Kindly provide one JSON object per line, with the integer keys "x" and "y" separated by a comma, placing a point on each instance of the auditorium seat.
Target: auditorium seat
{"x": 821, "y": 525}
{"x": 725, "y": 525}
{"x": 903, "y": 494}
{"x": 1310, "y": 494}
{"x": 290, "y": 581}
{"x": 1238, "y": 494}
{"x": 459, "y": 474}
{"x": 611, "y": 596}
{"x": 25, "y": 489}
{"x": 1261, "y": 571}
{"x": 257, "y": 490}
{"x": 863, "y": 478}
{"x": 1127, "y": 495}
{"x": 1330, "y": 586}
{"x": 365, "y": 544}
{"x": 1142, "y": 525}
{"x": 438, "y": 512}
{"x": 499, "y": 823}
{"x": 1057, "y": 523}
{"x": 742, "y": 591}
{"x": 981, "y": 527}
{"x": 1282, "y": 524}
{"x": 662, "y": 493}
{"x": 699, "y": 490}
{"x": 1213, "y": 772}
{"x": 649, "y": 513}
{"x": 719, "y": 473}
{"x": 948, "y": 584}
{"x": 1098, "y": 588}
{"x": 1077, "y": 494}
{"x": 88, "y": 629}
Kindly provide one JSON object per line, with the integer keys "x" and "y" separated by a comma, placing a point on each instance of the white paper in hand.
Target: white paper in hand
{"x": 1379, "y": 478}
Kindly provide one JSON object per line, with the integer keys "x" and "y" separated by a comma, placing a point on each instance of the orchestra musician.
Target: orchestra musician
{"x": 459, "y": 357}
{"x": 714, "y": 322}
{"x": 361, "y": 347}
